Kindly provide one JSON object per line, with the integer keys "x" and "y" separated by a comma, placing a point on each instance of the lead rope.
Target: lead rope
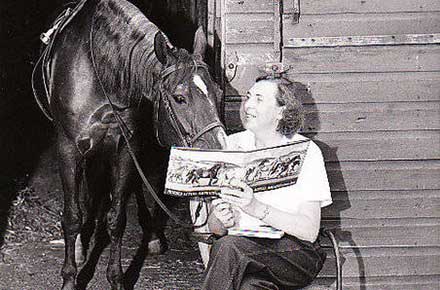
{"x": 131, "y": 152}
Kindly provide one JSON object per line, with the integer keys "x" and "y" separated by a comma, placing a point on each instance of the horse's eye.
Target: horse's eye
{"x": 179, "y": 99}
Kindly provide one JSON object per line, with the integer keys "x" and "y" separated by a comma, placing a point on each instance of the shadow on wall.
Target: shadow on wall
{"x": 332, "y": 217}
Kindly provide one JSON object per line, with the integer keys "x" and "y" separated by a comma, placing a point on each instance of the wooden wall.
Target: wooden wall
{"x": 373, "y": 68}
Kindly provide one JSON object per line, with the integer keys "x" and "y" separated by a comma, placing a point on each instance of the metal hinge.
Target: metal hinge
{"x": 296, "y": 12}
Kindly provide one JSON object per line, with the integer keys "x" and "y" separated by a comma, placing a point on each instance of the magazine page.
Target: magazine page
{"x": 197, "y": 172}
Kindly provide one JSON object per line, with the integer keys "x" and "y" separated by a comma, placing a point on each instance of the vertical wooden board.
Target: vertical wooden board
{"x": 383, "y": 175}
{"x": 371, "y": 87}
{"x": 354, "y": 25}
{"x": 211, "y": 29}
{"x": 212, "y": 6}
{"x": 277, "y": 37}
{"x": 368, "y": 6}
{"x": 192, "y": 10}
{"x": 364, "y": 59}
{"x": 201, "y": 13}
{"x": 252, "y": 28}
{"x": 392, "y": 145}
{"x": 249, "y": 6}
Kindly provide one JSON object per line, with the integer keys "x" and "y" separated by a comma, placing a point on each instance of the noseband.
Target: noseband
{"x": 187, "y": 138}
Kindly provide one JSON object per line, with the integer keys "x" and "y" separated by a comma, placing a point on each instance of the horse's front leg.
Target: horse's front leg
{"x": 71, "y": 174}
{"x": 199, "y": 217}
{"x": 122, "y": 181}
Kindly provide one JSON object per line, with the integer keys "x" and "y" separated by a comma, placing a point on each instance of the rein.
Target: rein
{"x": 122, "y": 127}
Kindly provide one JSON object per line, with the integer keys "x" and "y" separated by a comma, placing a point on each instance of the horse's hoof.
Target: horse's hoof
{"x": 68, "y": 285}
{"x": 155, "y": 247}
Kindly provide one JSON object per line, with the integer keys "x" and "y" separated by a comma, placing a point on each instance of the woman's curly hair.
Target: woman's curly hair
{"x": 289, "y": 95}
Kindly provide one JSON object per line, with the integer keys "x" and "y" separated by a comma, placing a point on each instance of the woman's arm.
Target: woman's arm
{"x": 303, "y": 224}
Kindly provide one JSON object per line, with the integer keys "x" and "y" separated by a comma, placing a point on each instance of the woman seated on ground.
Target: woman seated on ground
{"x": 271, "y": 115}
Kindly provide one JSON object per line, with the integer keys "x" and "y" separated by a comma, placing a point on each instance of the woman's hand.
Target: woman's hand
{"x": 239, "y": 194}
{"x": 223, "y": 212}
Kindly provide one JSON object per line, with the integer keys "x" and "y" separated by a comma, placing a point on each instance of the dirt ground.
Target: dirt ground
{"x": 32, "y": 255}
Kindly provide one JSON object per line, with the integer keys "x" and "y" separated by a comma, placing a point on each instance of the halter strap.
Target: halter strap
{"x": 172, "y": 68}
{"x": 207, "y": 129}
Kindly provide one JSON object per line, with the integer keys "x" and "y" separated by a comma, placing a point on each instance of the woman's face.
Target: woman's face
{"x": 260, "y": 111}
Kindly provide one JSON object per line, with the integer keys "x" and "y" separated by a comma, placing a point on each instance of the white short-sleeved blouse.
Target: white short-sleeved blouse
{"x": 312, "y": 183}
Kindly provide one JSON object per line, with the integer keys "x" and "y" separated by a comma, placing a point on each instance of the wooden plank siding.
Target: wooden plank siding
{"x": 369, "y": 24}
{"x": 356, "y": 117}
{"x": 250, "y": 28}
{"x": 375, "y": 113}
{"x": 380, "y": 59}
{"x": 426, "y": 282}
{"x": 402, "y": 82}
{"x": 385, "y": 204}
{"x": 361, "y": 7}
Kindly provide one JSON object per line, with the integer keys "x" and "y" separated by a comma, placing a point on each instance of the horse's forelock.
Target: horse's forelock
{"x": 186, "y": 65}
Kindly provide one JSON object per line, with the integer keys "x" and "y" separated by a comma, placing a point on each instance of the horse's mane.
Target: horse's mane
{"x": 123, "y": 47}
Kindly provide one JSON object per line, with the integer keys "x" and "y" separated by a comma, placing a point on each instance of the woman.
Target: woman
{"x": 271, "y": 115}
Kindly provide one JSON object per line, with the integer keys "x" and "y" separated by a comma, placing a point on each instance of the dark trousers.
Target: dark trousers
{"x": 253, "y": 263}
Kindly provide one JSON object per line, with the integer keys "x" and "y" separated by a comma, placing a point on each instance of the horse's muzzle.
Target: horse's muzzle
{"x": 214, "y": 139}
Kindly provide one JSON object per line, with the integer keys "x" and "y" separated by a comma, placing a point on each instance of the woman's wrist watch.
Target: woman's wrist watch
{"x": 264, "y": 213}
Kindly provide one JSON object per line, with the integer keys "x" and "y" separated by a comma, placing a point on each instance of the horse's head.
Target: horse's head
{"x": 185, "y": 107}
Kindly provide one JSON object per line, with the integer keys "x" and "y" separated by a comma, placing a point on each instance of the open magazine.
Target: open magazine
{"x": 203, "y": 172}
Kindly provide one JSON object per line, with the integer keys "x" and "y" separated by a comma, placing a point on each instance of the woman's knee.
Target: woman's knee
{"x": 227, "y": 242}
{"x": 228, "y": 247}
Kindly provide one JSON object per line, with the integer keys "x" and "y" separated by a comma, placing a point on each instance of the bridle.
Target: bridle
{"x": 186, "y": 138}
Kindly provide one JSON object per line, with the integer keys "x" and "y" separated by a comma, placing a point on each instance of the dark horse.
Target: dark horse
{"x": 113, "y": 73}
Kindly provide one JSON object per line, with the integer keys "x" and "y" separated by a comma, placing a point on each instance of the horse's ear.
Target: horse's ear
{"x": 200, "y": 43}
{"x": 162, "y": 47}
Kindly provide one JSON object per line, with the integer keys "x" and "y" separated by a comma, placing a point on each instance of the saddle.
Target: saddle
{"x": 41, "y": 72}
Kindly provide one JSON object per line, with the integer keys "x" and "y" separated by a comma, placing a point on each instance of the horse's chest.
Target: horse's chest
{"x": 103, "y": 127}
